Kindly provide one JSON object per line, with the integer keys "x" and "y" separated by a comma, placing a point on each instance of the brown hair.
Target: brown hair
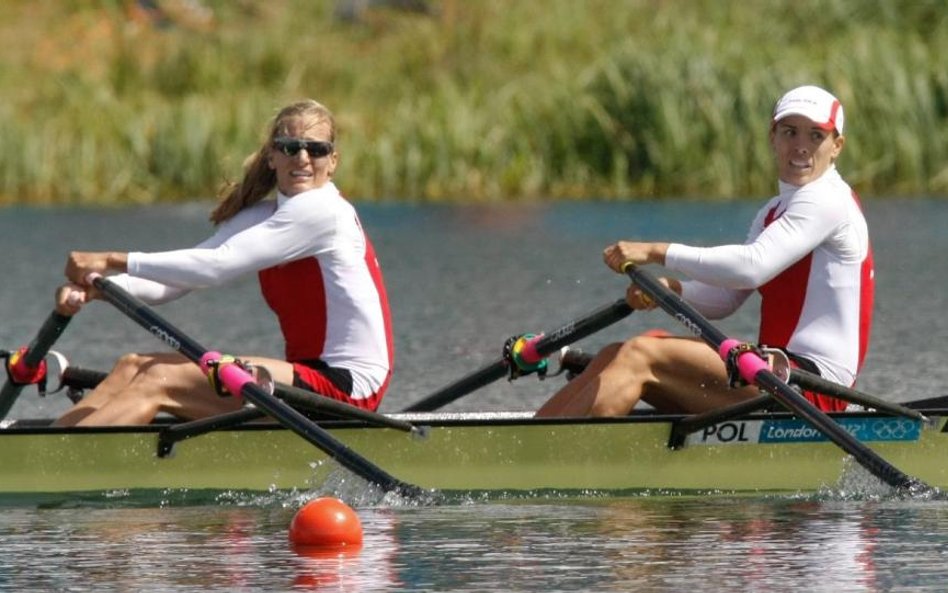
{"x": 259, "y": 179}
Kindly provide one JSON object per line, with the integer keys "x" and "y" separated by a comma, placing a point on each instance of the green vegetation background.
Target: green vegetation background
{"x": 474, "y": 100}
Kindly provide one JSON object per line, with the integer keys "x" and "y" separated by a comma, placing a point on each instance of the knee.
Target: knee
{"x": 636, "y": 360}
{"x": 129, "y": 365}
{"x": 605, "y": 358}
{"x": 634, "y": 352}
{"x": 140, "y": 369}
{"x": 634, "y": 356}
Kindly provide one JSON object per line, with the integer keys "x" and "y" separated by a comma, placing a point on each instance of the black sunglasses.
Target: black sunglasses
{"x": 292, "y": 146}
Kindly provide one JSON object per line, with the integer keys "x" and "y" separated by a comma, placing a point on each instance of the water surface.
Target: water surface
{"x": 461, "y": 280}
{"x": 606, "y": 545}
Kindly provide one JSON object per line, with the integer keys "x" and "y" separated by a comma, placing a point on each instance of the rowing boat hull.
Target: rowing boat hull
{"x": 501, "y": 454}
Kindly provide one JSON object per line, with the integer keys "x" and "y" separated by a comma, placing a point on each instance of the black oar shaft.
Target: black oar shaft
{"x": 179, "y": 432}
{"x": 546, "y": 345}
{"x": 280, "y": 411}
{"x": 471, "y": 382}
{"x": 306, "y": 400}
{"x": 813, "y": 382}
{"x": 145, "y": 316}
{"x": 689, "y": 424}
{"x": 37, "y": 350}
{"x": 50, "y": 331}
{"x": 81, "y": 378}
{"x": 675, "y": 306}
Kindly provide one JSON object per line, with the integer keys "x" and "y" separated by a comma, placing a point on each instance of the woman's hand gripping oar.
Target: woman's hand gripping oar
{"x": 743, "y": 359}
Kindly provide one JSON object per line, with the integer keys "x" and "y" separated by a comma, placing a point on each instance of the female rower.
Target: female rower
{"x": 316, "y": 267}
{"x": 807, "y": 253}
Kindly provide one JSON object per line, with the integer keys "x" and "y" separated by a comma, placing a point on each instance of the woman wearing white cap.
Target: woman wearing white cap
{"x": 808, "y": 255}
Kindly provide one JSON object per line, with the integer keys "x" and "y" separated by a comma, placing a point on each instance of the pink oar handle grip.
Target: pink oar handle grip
{"x": 748, "y": 363}
{"x": 529, "y": 352}
{"x": 231, "y": 375}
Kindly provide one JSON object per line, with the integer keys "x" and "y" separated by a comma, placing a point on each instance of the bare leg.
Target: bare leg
{"x": 576, "y": 397}
{"x": 141, "y": 386}
{"x": 113, "y": 384}
{"x": 672, "y": 374}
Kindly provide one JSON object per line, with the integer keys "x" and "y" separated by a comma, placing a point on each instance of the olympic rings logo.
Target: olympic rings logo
{"x": 894, "y": 429}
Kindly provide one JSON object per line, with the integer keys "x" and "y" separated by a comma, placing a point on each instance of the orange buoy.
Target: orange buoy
{"x": 326, "y": 522}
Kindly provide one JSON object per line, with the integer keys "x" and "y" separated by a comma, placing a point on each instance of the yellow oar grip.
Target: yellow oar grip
{"x": 626, "y": 266}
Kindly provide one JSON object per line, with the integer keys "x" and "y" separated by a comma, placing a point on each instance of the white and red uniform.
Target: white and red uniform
{"x": 808, "y": 254}
{"x": 317, "y": 271}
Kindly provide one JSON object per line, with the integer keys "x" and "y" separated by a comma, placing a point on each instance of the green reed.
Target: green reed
{"x": 482, "y": 100}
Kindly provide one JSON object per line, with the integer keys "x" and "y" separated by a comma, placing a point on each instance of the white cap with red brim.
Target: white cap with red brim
{"x": 813, "y": 103}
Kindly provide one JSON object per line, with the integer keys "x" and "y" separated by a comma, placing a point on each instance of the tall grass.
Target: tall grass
{"x": 482, "y": 100}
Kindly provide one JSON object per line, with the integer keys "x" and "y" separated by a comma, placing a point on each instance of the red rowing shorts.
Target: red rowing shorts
{"x": 822, "y": 402}
{"x": 333, "y": 382}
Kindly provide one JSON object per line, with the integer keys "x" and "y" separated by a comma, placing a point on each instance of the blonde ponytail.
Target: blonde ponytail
{"x": 259, "y": 179}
